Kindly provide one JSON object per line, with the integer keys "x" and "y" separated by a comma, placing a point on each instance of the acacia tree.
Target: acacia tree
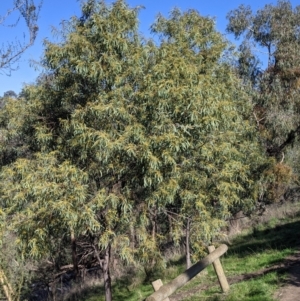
{"x": 274, "y": 32}
{"x": 141, "y": 129}
{"x": 10, "y": 52}
{"x": 209, "y": 112}
{"x": 13, "y": 270}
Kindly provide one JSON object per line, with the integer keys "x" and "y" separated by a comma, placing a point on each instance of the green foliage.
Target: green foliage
{"x": 126, "y": 132}
{"x": 11, "y": 121}
{"x": 14, "y": 270}
{"x": 44, "y": 200}
{"x": 250, "y": 252}
{"x": 273, "y": 31}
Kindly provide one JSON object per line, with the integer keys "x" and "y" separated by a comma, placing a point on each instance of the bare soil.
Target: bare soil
{"x": 290, "y": 291}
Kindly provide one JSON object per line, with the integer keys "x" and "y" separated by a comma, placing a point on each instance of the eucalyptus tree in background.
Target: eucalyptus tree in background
{"x": 128, "y": 132}
{"x": 273, "y": 32}
{"x": 10, "y": 52}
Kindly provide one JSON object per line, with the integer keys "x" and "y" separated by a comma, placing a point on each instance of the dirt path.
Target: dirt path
{"x": 291, "y": 289}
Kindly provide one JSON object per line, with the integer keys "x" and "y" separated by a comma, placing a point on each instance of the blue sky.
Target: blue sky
{"x": 54, "y": 11}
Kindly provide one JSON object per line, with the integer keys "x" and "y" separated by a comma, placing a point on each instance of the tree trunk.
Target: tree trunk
{"x": 170, "y": 227}
{"x": 187, "y": 244}
{"x": 104, "y": 264}
{"x": 132, "y": 237}
{"x": 106, "y": 275}
{"x": 154, "y": 224}
{"x": 74, "y": 253}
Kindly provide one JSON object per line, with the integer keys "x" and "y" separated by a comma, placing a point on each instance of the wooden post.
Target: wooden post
{"x": 157, "y": 284}
{"x": 168, "y": 289}
{"x": 220, "y": 272}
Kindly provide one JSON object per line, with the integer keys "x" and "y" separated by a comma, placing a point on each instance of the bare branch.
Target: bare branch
{"x": 291, "y": 137}
{"x": 282, "y": 158}
{"x": 10, "y": 11}
{"x": 10, "y": 54}
{"x": 258, "y": 120}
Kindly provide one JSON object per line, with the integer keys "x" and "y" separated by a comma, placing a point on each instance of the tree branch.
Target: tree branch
{"x": 275, "y": 151}
{"x": 11, "y": 53}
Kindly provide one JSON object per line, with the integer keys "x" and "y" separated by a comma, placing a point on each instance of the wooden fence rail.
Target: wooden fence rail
{"x": 168, "y": 289}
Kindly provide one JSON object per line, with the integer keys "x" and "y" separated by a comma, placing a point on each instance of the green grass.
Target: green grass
{"x": 264, "y": 246}
{"x": 121, "y": 293}
{"x": 252, "y": 290}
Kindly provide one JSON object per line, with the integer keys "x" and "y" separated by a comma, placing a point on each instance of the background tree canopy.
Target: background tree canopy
{"x": 275, "y": 91}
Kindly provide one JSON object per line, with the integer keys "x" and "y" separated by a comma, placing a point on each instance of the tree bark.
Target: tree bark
{"x": 276, "y": 150}
{"x": 187, "y": 244}
{"x": 132, "y": 237}
{"x": 170, "y": 227}
{"x": 104, "y": 264}
{"x": 74, "y": 253}
{"x": 154, "y": 225}
{"x": 106, "y": 275}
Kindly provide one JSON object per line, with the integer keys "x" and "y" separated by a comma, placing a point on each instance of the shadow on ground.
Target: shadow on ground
{"x": 279, "y": 237}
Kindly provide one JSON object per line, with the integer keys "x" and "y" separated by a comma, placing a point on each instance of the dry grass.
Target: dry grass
{"x": 255, "y": 243}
